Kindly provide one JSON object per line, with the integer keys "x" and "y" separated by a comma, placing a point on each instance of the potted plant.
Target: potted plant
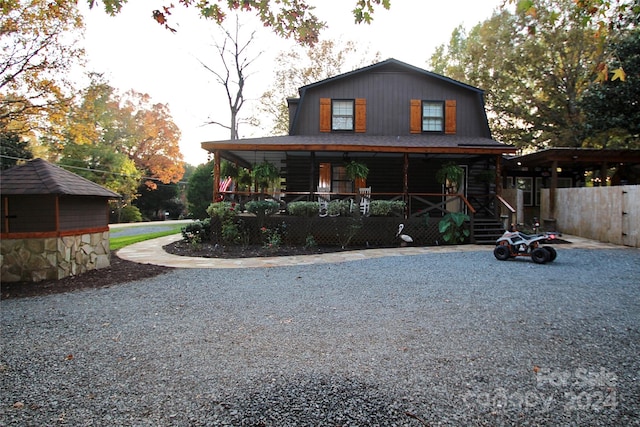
{"x": 450, "y": 175}
{"x": 358, "y": 173}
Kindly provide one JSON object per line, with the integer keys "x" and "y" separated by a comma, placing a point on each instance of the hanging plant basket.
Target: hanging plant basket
{"x": 265, "y": 174}
{"x": 450, "y": 175}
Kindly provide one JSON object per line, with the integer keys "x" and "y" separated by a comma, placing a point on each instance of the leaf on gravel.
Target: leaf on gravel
{"x": 18, "y": 405}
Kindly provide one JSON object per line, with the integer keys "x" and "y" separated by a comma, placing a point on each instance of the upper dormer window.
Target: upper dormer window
{"x": 432, "y": 116}
{"x": 342, "y": 114}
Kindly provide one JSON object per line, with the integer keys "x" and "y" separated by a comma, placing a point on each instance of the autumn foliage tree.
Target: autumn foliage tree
{"x": 288, "y": 18}
{"x": 38, "y": 39}
{"x": 116, "y": 140}
{"x": 153, "y": 139}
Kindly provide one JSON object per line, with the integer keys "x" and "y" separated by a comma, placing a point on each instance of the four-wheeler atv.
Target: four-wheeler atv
{"x": 514, "y": 243}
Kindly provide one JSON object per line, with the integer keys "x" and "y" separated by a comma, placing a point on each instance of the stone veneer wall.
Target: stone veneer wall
{"x": 53, "y": 257}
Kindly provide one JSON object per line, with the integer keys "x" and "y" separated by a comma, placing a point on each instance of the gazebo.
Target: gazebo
{"x": 54, "y": 223}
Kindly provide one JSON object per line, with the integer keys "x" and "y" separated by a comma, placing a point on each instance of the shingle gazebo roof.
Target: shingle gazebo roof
{"x": 41, "y": 177}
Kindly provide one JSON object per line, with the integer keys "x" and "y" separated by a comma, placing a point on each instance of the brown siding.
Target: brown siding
{"x": 29, "y": 214}
{"x": 78, "y": 213}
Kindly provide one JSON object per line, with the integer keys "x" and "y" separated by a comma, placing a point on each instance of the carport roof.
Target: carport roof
{"x": 41, "y": 177}
{"x": 585, "y": 157}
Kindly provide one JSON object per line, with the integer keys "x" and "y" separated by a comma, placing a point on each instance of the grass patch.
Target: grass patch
{"x": 116, "y": 243}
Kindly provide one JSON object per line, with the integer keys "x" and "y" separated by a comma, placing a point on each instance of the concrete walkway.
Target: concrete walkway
{"x": 151, "y": 252}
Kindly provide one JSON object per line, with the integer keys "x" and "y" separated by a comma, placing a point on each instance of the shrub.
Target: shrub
{"x": 197, "y": 232}
{"x": 386, "y": 207}
{"x": 262, "y": 207}
{"x": 339, "y": 207}
{"x": 130, "y": 213}
{"x": 307, "y": 209}
{"x": 272, "y": 237}
{"x": 225, "y": 215}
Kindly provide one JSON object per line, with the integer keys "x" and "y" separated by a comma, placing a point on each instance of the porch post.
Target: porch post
{"x": 499, "y": 175}
{"x": 216, "y": 174}
{"x": 405, "y": 183}
{"x": 312, "y": 173}
{"x": 603, "y": 174}
{"x": 552, "y": 189}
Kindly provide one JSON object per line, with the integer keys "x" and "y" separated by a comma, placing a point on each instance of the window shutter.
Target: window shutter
{"x": 325, "y": 114}
{"x": 361, "y": 115}
{"x": 415, "y": 119}
{"x": 450, "y": 116}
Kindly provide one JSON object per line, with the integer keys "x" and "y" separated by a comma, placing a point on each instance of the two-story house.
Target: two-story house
{"x": 401, "y": 121}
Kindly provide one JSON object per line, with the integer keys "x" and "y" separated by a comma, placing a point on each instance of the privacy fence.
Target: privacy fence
{"x": 606, "y": 214}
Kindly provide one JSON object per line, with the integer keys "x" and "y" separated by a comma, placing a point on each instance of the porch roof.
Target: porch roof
{"x": 350, "y": 142}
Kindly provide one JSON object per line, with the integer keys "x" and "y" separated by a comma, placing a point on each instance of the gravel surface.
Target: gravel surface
{"x": 439, "y": 339}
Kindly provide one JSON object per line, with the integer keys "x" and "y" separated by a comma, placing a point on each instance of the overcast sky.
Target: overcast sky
{"x": 136, "y": 53}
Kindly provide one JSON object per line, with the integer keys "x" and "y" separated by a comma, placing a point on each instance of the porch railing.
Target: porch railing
{"x": 417, "y": 204}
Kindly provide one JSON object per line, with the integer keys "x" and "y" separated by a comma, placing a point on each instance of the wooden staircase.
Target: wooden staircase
{"x": 487, "y": 230}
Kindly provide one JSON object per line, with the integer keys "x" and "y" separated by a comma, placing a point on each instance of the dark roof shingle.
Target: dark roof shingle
{"x": 41, "y": 177}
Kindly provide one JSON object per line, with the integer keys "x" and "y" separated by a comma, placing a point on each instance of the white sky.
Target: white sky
{"x": 134, "y": 52}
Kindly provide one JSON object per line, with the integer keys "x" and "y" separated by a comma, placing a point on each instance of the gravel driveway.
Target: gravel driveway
{"x": 438, "y": 339}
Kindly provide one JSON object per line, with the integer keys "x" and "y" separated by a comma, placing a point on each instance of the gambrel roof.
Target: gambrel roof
{"x": 305, "y": 136}
{"x": 41, "y": 177}
{"x": 389, "y": 64}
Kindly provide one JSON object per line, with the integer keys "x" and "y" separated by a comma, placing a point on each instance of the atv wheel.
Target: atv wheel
{"x": 553, "y": 254}
{"x": 540, "y": 256}
{"x": 502, "y": 252}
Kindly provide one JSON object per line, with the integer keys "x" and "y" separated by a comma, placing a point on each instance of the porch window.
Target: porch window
{"x": 342, "y": 115}
{"x": 526, "y": 185}
{"x": 432, "y": 116}
{"x": 335, "y": 178}
{"x": 340, "y": 183}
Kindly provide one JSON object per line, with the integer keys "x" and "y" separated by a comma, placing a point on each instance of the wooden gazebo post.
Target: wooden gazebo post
{"x": 552, "y": 189}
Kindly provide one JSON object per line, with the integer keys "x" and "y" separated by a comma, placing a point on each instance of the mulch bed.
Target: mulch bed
{"x": 120, "y": 271}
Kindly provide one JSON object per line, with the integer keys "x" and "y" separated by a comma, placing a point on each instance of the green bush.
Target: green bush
{"x": 386, "y": 207}
{"x": 197, "y": 231}
{"x": 225, "y": 215}
{"x": 130, "y": 213}
{"x": 262, "y": 207}
{"x": 307, "y": 209}
{"x": 223, "y": 211}
{"x": 339, "y": 207}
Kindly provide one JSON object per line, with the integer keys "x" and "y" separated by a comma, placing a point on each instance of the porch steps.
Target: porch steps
{"x": 487, "y": 230}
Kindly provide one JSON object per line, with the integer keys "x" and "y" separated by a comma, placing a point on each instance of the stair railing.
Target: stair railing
{"x": 509, "y": 218}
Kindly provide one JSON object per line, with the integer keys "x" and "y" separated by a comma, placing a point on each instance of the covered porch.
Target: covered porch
{"x": 403, "y": 169}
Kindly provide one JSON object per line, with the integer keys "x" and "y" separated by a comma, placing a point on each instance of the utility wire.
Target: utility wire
{"x": 93, "y": 170}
